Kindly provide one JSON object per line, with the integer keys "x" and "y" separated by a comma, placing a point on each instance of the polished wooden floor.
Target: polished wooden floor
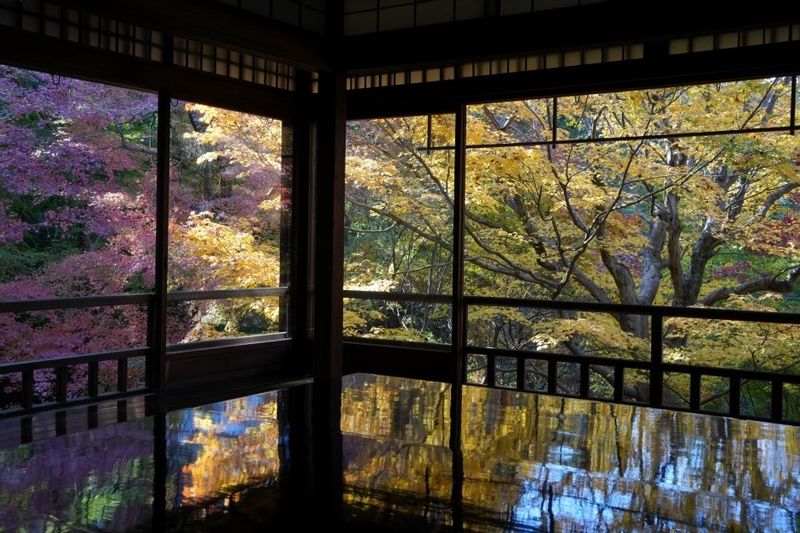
{"x": 530, "y": 463}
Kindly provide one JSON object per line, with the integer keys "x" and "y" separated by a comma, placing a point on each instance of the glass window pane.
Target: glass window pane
{"x": 676, "y": 390}
{"x": 702, "y": 220}
{"x": 505, "y": 372}
{"x": 714, "y": 394}
{"x": 568, "y": 378}
{"x": 228, "y": 198}
{"x": 536, "y": 375}
{"x": 791, "y": 402}
{"x": 601, "y": 382}
{"x": 476, "y": 369}
{"x": 636, "y": 385}
{"x": 230, "y": 204}
{"x": 748, "y": 104}
{"x": 592, "y": 221}
{"x": 732, "y": 344}
{"x": 756, "y": 398}
{"x": 61, "y": 333}
{"x": 202, "y": 320}
{"x": 397, "y": 320}
{"x": 510, "y": 122}
{"x": 398, "y": 207}
{"x": 618, "y": 336}
{"x": 77, "y": 187}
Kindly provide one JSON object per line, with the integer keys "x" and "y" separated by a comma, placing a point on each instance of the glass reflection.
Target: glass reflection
{"x": 395, "y": 452}
{"x": 533, "y": 461}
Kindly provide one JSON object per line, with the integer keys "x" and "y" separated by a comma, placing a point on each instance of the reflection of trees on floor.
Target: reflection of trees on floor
{"x": 101, "y": 478}
{"x": 216, "y": 449}
{"x": 530, "y": 460}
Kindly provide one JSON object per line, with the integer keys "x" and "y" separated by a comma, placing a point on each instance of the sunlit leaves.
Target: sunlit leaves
{"x": 639, "y": 206}
{"x": 221, "y": 255}
{"x": 229, "y": 198}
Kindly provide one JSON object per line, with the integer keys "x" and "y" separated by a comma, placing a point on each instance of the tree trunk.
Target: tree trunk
{"x": 691, "y": 281}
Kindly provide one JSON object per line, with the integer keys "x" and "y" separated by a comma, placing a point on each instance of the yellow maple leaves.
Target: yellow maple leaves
{"x": 228, "y": 257}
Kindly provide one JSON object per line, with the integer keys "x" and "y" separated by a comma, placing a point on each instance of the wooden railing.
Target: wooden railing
{"x": 615, "y": 367}
{"x": 27, "y": 400}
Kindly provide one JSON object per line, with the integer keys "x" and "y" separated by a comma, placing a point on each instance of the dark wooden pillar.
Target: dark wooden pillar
{"x": 157, "y": 310}
{"x": 459, "y": 314}
{"x": 294, "y": 478}
{"x": 300, "y": 267}
{"x": 328, "y": 277}
{"x": 288, "y": 216}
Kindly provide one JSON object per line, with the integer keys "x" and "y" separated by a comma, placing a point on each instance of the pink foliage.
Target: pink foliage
{"x": 79, "y": 157}
{"x": 737, "y": 271}
{"x": 64, "y": 138}
{"x": 11, "y": 229}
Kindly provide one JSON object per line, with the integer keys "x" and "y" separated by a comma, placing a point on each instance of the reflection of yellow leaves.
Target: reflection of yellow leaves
{"x": 221, "y": 463}
{"x": 401, "y": 428}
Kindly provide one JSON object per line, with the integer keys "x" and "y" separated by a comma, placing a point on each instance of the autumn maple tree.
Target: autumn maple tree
{"x": 635, "y": 203}
{"x": 77, "y": 218}
{"x": 228, "y": 203}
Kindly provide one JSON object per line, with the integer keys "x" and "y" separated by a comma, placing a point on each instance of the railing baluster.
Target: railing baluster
{"x": 552, "y": 376}
{"x": 61, "y": 383}
{"x": 93, "y": 378}
{"x": 26, "y": 430}
{"x": 619, "y": 383}
{"x": 122, "y": 375}
{"x": 91, "y": 417}
{"x": 61, "y": 423}
{"x": 656, "y": 366}
{"x": 584, "y": 386}
{"x": 122, "y": 411}
{"x": 490, "y": 371}
{"x": 27, "y": 389}
{"x": 657, "y": 359}
{"x": 735, "y": 396}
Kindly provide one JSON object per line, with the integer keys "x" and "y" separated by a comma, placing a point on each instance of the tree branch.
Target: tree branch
{"x": 771, "y": 284}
